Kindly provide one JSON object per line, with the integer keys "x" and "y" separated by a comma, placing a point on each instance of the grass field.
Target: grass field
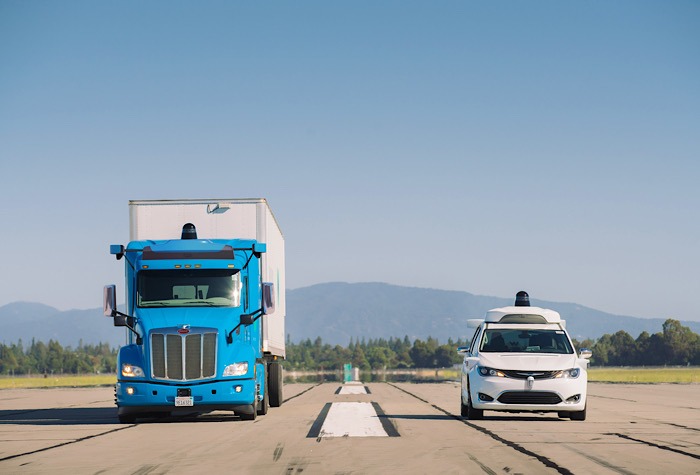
{"x": 57, "y": 381}
{"x": 604, "y": 375}
{"x": 685, "y": 374}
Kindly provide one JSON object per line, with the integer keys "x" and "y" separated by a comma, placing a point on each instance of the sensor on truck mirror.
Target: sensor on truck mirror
{"x": 109, "y": 300}
{"x": 268, "y": 298}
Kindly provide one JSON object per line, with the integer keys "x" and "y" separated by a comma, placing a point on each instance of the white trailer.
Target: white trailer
{"x": 223, "y": 219}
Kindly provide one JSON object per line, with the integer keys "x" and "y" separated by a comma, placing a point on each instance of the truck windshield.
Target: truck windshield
{"x": 189, "y": 288}
{"x": 525, "y": 341}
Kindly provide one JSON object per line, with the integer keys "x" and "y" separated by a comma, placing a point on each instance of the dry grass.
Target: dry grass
{"x": 684, "y": 374}
{"x": 57, "y": 381}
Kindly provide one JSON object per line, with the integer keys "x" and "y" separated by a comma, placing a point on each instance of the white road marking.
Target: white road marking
{"x": 354, "y": 389}
{"x": 352, "y": 419}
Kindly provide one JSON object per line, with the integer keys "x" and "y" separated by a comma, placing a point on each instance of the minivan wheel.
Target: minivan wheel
{"x": 473, "y": 414}
{"x": 578, "y": 415}
{"x": 463, "y": 408}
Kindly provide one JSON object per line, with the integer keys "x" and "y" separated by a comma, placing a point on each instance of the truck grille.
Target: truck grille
{"x": 529, "y": 397}
{"x": 183, "y": 357}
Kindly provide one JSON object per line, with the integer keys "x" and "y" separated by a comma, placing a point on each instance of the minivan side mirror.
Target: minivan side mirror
{"x": 585, "y": 353}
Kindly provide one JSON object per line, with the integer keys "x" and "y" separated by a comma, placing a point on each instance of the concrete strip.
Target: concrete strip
{"x": 352, "y": 419}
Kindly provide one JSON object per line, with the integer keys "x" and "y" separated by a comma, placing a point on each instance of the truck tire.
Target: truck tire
{"x": 274, "y": 382}
{"x": 264, "y": 405}
{"x": 126, "y": 418}
{"x": 249, "y": 417}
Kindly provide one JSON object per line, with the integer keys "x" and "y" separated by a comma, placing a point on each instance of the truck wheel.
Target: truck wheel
{"x": 126, "y": 418}
{"x": 274, "y": 381}
{"x": 249, "y": 417}
{"x": 264, "y": 405}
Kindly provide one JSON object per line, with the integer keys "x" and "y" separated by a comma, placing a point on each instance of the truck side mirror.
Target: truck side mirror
{"x": 109, "y": 301}
{"x": 268, "y": 298}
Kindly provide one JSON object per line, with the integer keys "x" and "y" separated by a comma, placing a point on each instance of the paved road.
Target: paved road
{"x": 372, "y": 428}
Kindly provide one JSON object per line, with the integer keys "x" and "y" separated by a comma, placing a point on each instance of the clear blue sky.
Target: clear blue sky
{"x": 480, "y": 146}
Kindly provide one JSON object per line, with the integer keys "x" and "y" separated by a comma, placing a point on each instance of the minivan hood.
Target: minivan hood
{"x": 527, "y": 362}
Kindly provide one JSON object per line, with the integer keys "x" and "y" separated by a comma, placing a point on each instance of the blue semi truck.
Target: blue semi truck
{"x": 205, "y": 309}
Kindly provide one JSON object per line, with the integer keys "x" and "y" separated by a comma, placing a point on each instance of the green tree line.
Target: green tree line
{"x": 674, "y": 345}
{"x": 369, "y": 354}
{"x": 52, "y": 358}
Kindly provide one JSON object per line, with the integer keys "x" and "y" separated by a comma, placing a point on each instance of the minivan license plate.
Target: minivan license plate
{"x": 184, "y": 401}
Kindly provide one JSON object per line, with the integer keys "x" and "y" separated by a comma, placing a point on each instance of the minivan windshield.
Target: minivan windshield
{"x": 525, "y": 341}
{"x": 189, "y": 288}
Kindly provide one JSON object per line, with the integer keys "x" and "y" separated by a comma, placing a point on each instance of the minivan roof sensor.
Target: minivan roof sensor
{"x": 522, "y": 299}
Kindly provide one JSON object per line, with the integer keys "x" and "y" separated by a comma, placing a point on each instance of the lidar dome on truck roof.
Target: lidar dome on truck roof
{"x": 522, "y": 315}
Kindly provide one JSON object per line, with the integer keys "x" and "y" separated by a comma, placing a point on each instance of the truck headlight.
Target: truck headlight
{"x": 131, "y": 371}
{"x": 236, "y": 369}
{"x": 572, "y": 373}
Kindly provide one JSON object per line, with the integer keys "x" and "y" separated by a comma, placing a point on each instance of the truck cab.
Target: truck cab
{"x": 194, "y": 314}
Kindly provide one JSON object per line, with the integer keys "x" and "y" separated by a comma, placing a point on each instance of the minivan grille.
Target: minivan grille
{"x": 527, "y": 374}
{"x": 529, "y": 397}
{"x": 183, "y": 357}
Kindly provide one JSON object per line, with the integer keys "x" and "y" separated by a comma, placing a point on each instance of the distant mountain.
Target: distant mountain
{"x": 337, "y": 312}
{"x": 27, "y": 321}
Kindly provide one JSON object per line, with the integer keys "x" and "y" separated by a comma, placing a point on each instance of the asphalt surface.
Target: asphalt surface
{"x": 369, "y": 428}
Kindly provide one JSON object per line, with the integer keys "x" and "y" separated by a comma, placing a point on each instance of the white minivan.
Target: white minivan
{"x": 521, "y": 359}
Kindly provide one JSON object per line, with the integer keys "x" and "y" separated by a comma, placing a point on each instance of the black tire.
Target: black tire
{"x": 463, "y": 407}
{"x": 274, "y": 382}
{"x": 126, "y": 418}
{"x": 473, "y": 414}
{"x": 264, "y": 405}
{"x": 249, "y": 417}
{"x": 579, "y": 415}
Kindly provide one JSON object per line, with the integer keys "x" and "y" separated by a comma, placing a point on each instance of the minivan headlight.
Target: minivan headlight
{"x": 484, "y": 371}
{"x": 572, "y": 373}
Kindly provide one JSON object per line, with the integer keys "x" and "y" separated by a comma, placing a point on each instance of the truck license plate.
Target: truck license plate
{"x": 184, "y": 401}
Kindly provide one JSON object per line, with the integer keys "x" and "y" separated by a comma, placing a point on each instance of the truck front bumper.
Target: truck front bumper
{"x": 144, "y": 396}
